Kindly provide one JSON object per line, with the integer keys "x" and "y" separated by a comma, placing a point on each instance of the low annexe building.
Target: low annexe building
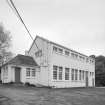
{"x": 61, "y": 67}
{"x": 20, "y": 69}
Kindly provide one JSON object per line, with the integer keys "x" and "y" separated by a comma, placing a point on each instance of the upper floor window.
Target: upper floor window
{"x": 67, "y": 53}
{"x": 74, "y": 55}
{"x": 54, "y": 48}
{"x": 60, "y": 50}
{"x": 81, "y": 58}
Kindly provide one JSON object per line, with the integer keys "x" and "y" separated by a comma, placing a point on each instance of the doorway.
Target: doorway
{"x": 17, "y": 74}
{"x": 87, "y": 79}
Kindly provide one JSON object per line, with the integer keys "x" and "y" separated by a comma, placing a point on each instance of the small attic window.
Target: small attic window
{"x": 38, "y": 53}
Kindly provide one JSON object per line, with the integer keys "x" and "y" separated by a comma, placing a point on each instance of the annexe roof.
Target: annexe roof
{"x": 22, "y": 60}
{"x": 57, "y": 45}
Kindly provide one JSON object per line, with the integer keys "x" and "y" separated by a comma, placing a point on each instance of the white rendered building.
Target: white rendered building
{"x": 61, "y": 67}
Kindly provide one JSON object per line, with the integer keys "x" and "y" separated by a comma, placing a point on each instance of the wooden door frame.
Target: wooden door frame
{"x": 18, "y": 69}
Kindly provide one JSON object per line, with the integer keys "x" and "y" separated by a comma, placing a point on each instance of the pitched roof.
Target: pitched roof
{"x": 57, "y": 45}
{"x": 22, "y": 60}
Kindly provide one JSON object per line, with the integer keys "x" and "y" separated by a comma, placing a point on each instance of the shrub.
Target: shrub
{"x": 11, "y": 82}
{"x": 0, "y": 81}
{"x": 27, "y": 84}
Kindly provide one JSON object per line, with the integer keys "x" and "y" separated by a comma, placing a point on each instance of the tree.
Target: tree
{"x": 100, "y": 70}
{"x": 5, "y": 43}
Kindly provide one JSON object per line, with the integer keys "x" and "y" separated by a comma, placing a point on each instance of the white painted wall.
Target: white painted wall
{"x": 23, "y": 78}
{"x": 43, "y": 60}
{"x": 49, "y": 59}
{"x": 30, "y": 79}
{"x": 69, "y": 62}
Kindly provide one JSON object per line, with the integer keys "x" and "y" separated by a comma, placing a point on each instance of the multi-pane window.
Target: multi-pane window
{"x": 54, "y": 49}
{"x": 86, "y": 73}
{"x": 79, "y": 74}
{"x": 74, "y": 55}
{"x": 38, "y": 53}
{"x": 76, "y": 74}
{"x": 72, "y": 74}
{"x": 83, "y": 75}
{"x": 81, "y": 58}
{"x": 55, "y": 72}
{"x": 60, "y": 73}
{"x": 66, "y": 73}
{"x": 60, "y": 50}
{"x": 67, "y": 53}
{"x": 27, "y": 71}
{"x": 92, "y": 73}
{"x": 33, "y": 72}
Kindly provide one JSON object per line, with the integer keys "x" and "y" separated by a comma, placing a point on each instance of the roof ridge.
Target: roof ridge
{"x": 61, "y": 45}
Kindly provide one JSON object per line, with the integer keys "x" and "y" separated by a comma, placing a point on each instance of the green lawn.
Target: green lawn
{"x": 15, "y": 95}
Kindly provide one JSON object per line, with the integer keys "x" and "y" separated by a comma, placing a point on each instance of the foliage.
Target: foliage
{"x": 27, "y": 84}
{"x": 5, "y": 43}
{"x": 100, "y": 71}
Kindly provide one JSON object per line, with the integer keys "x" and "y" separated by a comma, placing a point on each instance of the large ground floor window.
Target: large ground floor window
{"x": 73, "y": 74}
{"x": 30, "y": 72}
{"x": 55, "y": 72}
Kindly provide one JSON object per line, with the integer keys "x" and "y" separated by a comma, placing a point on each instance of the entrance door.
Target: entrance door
{"x": 17, "y": 74}
{"x": 0, "y": 73}
{"x": 86, "y": 78}
{"x": 93, "y": 82}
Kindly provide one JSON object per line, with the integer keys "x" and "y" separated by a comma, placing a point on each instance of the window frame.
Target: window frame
{"x": 67, "y": 73}
{"x": 60, "y": 73}
{"x": 72, "y": 74}
{"x": 55, "y": 49}
{"x": 80, "y": 75}
{"x": 67, "y": 53}
{"x": 76, "y": 74}
{"x": 28, "y": 72}
{"x": 55, "y": 69}
{"x": 60, "y": 50}
{"x": 33, "y": 72}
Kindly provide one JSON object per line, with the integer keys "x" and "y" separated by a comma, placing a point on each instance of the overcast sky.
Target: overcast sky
{"x": 76, "y": 24}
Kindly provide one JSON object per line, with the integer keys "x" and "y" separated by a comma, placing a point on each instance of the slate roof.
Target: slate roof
{"x": 22, "y": 60}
